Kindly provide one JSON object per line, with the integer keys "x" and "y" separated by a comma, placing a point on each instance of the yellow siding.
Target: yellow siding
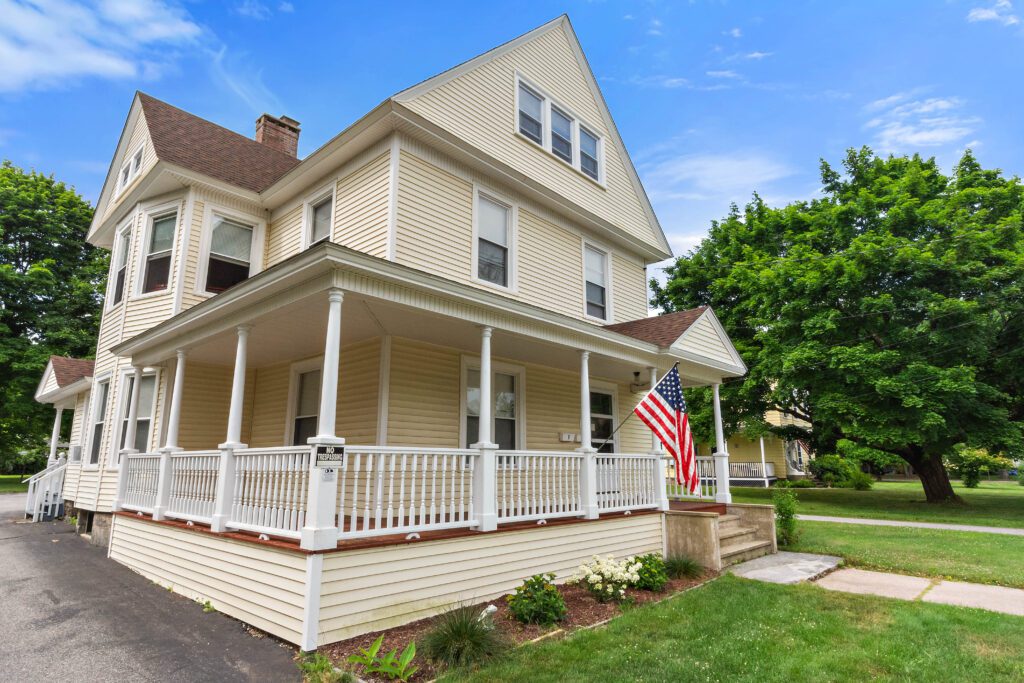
{"x": 81, "y": 403}
{"x": 270, "y": 406}
{"x": 205, "y": 400}
{"x": 262, "y": 586}
{"x": 424, "y": 395}
{"x": 702, "y": 338}
{"x": 552, "y": 405}
{"x": 550, "y": 261}
{"x": 361, "y": 208}
{"x": 284, "y": 236}
{"x": 138, "y": 136}
{"x": 358, "y": 389}
{"x": 479, "y": 107}
{"x": 629, "y": 289}
{"x": 425, "y": 578}
{"x": 189, "y": 297}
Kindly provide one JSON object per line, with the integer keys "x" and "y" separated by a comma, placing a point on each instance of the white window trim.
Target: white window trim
{"x": 577, "y": 121}
{"x": 329, "y": 190}
{"x": 132, "y": 173}
{"x": 124, "y": 376}
{"x": 90, "y": 424}
{"x": 473, "y": 363}
{"x": 295, "y": 370}
{"x": 601, "y": 387}
{"x": 128, "y": 227}
{"x": 513, "y": 240}
{"x": 609, "y": 300}
{"x": 259, "y": 230}
{"x": 150, "y": 215}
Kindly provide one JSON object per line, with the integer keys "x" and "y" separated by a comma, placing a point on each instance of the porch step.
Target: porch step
{"x": 734, "y": 534}
{"x": 734, "y": 553}
{"x": 727, "y": 523}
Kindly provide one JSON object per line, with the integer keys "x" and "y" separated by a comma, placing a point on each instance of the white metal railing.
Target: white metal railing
{"x": 751, "y": 470}
{"x": 34, "y": 487}
{"x": 538, "y": 485}
{"x": 708, "y": 483}
{"x": 45, "y": 492}
{"x": 193, "y": 485}
{"x": 384, "y": 490}
{"x": 626, "y": 482}
{"x": 270, "y": 490}
{"x": 141, "y": 472}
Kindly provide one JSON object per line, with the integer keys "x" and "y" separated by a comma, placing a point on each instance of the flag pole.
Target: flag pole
{"x": 632, "y": 413}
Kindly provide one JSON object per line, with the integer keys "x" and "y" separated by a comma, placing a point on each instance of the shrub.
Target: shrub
{"x": 606, "y": 579}
{"x": 800, "y": 483}
{"x": 464, "y": 637}
{"x": 860, "y": 480}
{"x": 652, "y": 574}
{"x": 785, "y": 516}
{"x": 392, "y": 665}
{"x": 682, "y": 567}
{"x": 537, "y": 601}
{"x": 971, "y": 463}
{"x": 830, "y": 470}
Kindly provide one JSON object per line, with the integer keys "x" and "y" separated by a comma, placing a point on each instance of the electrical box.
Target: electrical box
{"x": 567, "y": 437}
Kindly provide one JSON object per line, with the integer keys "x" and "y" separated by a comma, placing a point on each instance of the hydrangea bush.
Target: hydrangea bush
{"x": 606, "y": 578}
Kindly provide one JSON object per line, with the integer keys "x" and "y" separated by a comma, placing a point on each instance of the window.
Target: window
{"x": 99, "y": 411}
{"x": 320, "y": 220}
{"x": 504, "y": 404}
{"x": 307, "y": 407}
{"x": 531, "y": 114}
{"x": 588, "y": 154}
{"x": 595, "y": 267}
{"x": 144, "y": 416}
{"x": 131, "y": 168}
{"x": 561, "y": 135}
{"x": 120, "y": 264}
{"x": 157, "y": 267}
{"x": 602, "y": 421}
{"x": 493, "y": 243}
{"x": 230, "y": 254}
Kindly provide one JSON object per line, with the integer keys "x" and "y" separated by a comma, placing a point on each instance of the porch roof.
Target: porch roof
{"x": 403, "y": 295}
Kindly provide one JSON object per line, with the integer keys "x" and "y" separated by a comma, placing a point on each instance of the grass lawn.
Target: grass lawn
{"x": 11, "y": 483}
{"x": 961, "y": 555}
{"x": 996, "y": 503}
{"x": 738, "y": 630}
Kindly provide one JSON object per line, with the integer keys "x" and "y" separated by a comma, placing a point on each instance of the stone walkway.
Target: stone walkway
{"x": 918, "y": 525}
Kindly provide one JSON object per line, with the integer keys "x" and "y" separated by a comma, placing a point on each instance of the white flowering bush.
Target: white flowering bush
{"x": 607, "y": 578}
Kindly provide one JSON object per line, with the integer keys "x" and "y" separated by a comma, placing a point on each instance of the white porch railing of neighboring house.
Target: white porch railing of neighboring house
{"x": 140, "y": 473}
{"x": 538, "y": 485}
{"x": 193, "y": 486}
{"x": 45, "y": 491}
{"x": 705, "y": 470}
{"x": 269, "y": 493}
{"x": 627, "y": 482}
{"x": 751, "y": 470}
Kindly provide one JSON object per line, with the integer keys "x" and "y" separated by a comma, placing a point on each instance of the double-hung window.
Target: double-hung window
{"x": 144, "y": 417}
{"x": 561, "y": 135}
{"x": 595, "y": 268}
{"x": 230, "y": 254}
{"x": 307, "y": 407}
{"x": 494, "y": 241}
{"x": 589, "y": 163}
{"x": 602, "y": 421}
{"x": 120, "y": 264}
{"x": 97, "y": 419}
{"x": 320, "y": 220}
{"x": 504, "y": 404}
{"x": 157, "y": 263}
{"x": 560, "y": 132}
{"x": 531, "y": 114}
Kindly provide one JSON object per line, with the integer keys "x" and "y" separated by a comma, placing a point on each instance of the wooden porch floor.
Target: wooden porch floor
{"x": 697, "y": 506}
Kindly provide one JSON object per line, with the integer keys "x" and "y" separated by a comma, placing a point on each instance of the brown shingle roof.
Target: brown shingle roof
{"x": 197, "y": 144}
{"x": 67, "y": 371}
{"x": 662, "y": 330}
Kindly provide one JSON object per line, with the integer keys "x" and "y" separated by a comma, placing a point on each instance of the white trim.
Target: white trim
{"x": 394, "y": 168}
{"x": 127, "y": 228}
{"x": 609, "y": 309}
{"x": 469, "y": 362}
{"x": 513, "y": 238}
{"x": 114, "y": 448}
{"x": 722, "y": 334}
{"x": 383, "y": 389}
{"x": 295, "y": 369}
{"x": 150, "y": 214}
{"x": 90, "y": 424}
{"x": 256, "y": 251}
{"x": 311, "y": 602}
{"x": 186, "y": 240}
{"x": 134, "y": 170}
{"x": 325, "y": 192}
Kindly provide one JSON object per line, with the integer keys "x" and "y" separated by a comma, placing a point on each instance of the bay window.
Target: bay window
{"x": 230, "y": 254}
{"x": 157, "y": 262}
{"x": 595, "y": 267}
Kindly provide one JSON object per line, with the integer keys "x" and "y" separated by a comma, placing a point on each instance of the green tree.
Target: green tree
{"x": 971, "y": 463}
{"x": 888, "y": 312}
{"x": 50, "y": 285}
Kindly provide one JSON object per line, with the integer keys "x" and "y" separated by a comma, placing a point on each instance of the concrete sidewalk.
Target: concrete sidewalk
{"x": 917, "y": 525}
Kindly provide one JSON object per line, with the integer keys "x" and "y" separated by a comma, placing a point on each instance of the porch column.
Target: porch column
{"x": 660, "y": 475}
{"x": 321, "y": 529}
{"x": 485, "y": 474}
{"x": 55, "y": 436}
{"x": 226, "y": 470}
{"x": 588, "y": 469}
{"x": 163, "y": 486}
{"x": 722, "y": 494}
{"x": 764, "y": 468}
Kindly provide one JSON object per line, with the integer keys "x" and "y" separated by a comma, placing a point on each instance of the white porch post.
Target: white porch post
{"x": 721, "y": 454}
{"x": 660, "y": 483}
{"x": 321, "y": 529}
{"x": 226, "y": 471}
{"x": 55, "y": 435}
{"x": 588, "y": 470}
{"x": 485, "y": 474}
{"x": 764, "y": 468}
{"x": 163, "y": 487}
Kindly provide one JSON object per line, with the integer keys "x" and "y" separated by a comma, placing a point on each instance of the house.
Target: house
{"x": 342, "y": 393}
{"x": 768, "y": 458}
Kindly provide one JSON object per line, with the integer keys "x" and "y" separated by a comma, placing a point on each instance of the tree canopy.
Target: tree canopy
{"x": 888, "y": 312}
{"x": 50, "y": 291}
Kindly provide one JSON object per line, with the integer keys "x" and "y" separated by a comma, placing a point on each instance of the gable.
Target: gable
{"x": 477, "y": 103}
{"x": 48, "y": 383}
{"x": 134, "y": 137}
{"x": 707, "y": 338}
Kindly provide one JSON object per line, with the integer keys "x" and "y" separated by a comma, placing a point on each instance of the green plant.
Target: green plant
{"x": 971, "y": 463}
{"x": 859, "y": 480}
{"x": 464, "y": 637}
{"x": 606, "y": 579}
{"x": 830, "y": 470}
{"x": 785, "y": 503}
{"x": 537, "y": 601}
{"x": 392, "y": 665}
{"x": 682, "y": 567}
{"x": 800, "y": 483}
{"x": 317, "y": 668}
{"x": 652, "y": 574}
{"x": 72, "y": 520}
{"x": 208, "y": 607}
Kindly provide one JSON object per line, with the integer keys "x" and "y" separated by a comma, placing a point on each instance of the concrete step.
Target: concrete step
{"x": 733, "y": 553}
{"x": 735, "y": 533}
{"x": 728, "y": 522}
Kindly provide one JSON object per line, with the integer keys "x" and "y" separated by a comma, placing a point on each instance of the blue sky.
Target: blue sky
{"x": 713, "y": 99}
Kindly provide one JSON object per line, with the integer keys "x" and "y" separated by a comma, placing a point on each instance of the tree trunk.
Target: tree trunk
{"x": 934, "y": 478}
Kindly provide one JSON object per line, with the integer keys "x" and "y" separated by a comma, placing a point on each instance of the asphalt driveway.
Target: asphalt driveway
{"x": 69, "y": 613}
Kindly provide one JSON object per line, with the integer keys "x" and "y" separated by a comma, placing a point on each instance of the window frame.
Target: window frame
{"x": 121, "y": 248}
{"x": 134, "y": 169}
{"x": 256, "y": 255}
{"x": 150, "y": 216}
{"x": 511, "y": 276}
{"x": 328, "y": 192}
{"x": 577, "y": 122}
{"x": 610, "y": 389}
{"x": 468, "y": 363}
{"x": 608, "y": 299}
{"x": 90, "y": 434}
{"x": 295, "y": 370}
{"x": 125, "y": 376}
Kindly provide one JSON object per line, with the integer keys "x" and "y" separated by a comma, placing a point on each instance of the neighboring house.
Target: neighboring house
{"x": 316, "y": 380}
{"x": 759, "y": 462}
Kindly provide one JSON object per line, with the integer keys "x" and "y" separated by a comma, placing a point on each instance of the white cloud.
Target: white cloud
{"x": 627, "y": 17}
{"x": 46, "y": 43}
{"x": 758, "y": 55}
{"x": 660, "y": 81}
{"x": 1001, "y": 12}
{"x": 654, "y": 27}
{"x": 709, "y": 176}
{"x": 733, "y": 33}
{"x": 253, "y": 9}
{"x": 286, "y": 8}
{"x": 902, "y": 124}
{"x": 231, "y": 71}
{"x": 722, "y": 74}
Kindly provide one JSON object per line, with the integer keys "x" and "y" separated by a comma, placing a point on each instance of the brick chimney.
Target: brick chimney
{"x": 281, "y": 134}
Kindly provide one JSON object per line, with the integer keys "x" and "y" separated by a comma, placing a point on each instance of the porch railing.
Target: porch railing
{"x": 45, "y": 491}
{"x": 538, "y": 485}
{"x": 193, "y": 490}
{"x": 270, "y": 489}
{"x": 141, "y": 473}
{"x": 751, "y": 470}
{"x": 627, "y": 482}
{"x": 708, "y": 484}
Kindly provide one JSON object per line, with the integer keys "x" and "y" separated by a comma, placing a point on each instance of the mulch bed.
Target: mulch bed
{"x": 583, "y": 611}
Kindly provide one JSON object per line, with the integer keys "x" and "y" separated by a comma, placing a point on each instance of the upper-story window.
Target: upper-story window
{"x": 121, "y": 248}
{"x": 157, "y": 261}
{"x": 595, "y": 275}
{"x": 559, "y": 131}
{"x": 230, "y": 254}
{"x": 493, "y": 222}
{"x": 319, "y": 216}
{"x": 129, "y": 170}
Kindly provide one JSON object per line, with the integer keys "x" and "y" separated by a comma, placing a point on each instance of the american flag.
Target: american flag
{"x": 663, "y": 409}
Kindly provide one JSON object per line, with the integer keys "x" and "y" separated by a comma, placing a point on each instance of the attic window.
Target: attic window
{"x": 129, "y": 171}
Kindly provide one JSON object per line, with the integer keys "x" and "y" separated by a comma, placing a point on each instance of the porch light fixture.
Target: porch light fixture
{"x": 637, "y": 387}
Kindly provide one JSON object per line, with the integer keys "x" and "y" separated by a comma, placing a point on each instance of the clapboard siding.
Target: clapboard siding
{"x": 424, "y": 395}
{"x": 702, "y": 338}
{"x": 629, "y": 289}
{"x": 189, "y": 295}
{"x": 139, "y": 136}
{"x": 358, "y": 388}
{"x": 552, "y": 406}
{"x": 205, "y": 401}
{"x": 270, "y": 406}
{"x": 284, "y": 236}
{"x": 380, "y": 588}
{"x": 261, "y": 586}
{"x": 361, "y": 208}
